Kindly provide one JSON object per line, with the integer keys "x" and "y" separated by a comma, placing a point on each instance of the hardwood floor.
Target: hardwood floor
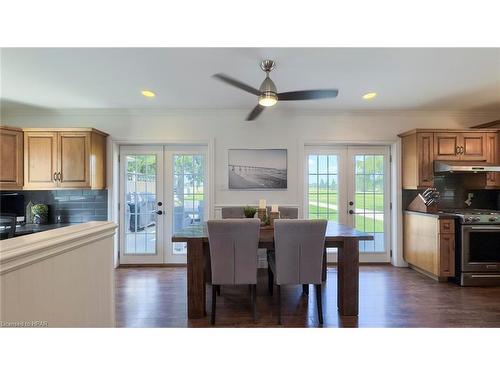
{"x": 389, "y": 297}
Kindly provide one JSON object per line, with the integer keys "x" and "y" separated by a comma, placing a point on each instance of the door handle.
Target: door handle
{"x": 351, "y": 211}
{"x": 159, "y": 212}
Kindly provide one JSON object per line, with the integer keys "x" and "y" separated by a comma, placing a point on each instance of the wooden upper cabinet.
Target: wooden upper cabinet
{"x": 474, "y": 146}
{"x": 71, "y": 158}
{"x": 11, "y": 168}
{"x": 425, "y": 160}
{"x": 417, "y": 160}
{"x": 74, "y": 160}
{"x": 460, "y": 146}
{"x": 40, "y": 160}
{"x": 421, "y": 147}
{"x": 493, "y": 156}
{"x": 446, "y": 146}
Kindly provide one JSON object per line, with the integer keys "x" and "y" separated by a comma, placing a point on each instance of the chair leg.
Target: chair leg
{"x": 319, "y": 304}
{"x": 305, "y": 289}
{"x": 254, "y": 302}
{"x": 323, "y": 270}
{"x": 218, "y": 290}
{"x": 214, "y": 301}
{"x": 270, "y": 280}
{"x": 278, "y": 289}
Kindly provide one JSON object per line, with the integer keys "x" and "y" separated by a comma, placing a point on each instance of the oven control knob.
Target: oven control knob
{"x": 476, "y": 219}
{"x": 468, "y": 219}
{"x": 493, "y": 218}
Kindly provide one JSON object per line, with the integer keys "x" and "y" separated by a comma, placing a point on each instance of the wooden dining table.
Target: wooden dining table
{"x": 344, "y": 238}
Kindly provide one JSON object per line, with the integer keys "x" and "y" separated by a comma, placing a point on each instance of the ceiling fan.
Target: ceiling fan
{"x": 268, "y": 94}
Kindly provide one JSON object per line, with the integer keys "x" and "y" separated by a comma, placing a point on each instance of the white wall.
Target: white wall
{"x": 275, "y": 129}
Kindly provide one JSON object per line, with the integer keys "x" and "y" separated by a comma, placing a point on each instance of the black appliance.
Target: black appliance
{"x": 12, "y": 204}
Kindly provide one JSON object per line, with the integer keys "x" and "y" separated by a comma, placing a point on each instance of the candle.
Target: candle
{"x": 262, "y": 203}
{"x": 274, "y": 208}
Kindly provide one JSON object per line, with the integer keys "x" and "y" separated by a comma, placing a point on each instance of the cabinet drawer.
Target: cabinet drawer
{"x": 446, "y": 226}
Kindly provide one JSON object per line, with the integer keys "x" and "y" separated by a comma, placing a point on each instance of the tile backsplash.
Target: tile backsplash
{"x": 72, "y": 206}
{"x": 454, "y": 194}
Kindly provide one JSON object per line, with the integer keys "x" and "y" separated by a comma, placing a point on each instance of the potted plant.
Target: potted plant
{"x": 250, "y": 212}
{"x": 40, "y": 213}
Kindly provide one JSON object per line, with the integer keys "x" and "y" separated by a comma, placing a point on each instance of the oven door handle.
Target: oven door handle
{"x": 483, "y": 227}
{"x": 485, "y": 276}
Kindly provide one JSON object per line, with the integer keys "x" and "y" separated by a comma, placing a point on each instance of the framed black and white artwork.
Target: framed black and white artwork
{"x": 257, "y": 169}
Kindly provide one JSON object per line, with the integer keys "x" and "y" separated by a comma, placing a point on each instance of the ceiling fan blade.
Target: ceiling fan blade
{"x": 255, "y": 112}
{"x": 308, "y": 94}
{"x": 236, "y": 83}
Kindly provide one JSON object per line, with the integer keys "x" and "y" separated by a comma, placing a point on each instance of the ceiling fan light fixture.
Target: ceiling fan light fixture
{"x": 268, "y": 99}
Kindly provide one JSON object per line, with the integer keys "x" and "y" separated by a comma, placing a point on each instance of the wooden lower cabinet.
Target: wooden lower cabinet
{"x": 11, "y": 149}
{"x": 429, "y": 244}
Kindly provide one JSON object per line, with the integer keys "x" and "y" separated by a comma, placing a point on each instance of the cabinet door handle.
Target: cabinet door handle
{"x": 462, "y": 150}
{"x": 59, "y": 176}
{"x": 457, "y": 150}
{"x": 55, "y": 176}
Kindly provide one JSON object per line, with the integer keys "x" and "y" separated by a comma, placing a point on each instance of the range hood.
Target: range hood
{"x": 464, "y": 167}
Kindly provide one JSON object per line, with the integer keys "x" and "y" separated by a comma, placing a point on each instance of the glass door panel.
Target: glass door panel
{"x": 326, "y": 187}
{"x": 141, "y": 204}
{"x": 368, "y": 203}
{"x": 186, "y": 185}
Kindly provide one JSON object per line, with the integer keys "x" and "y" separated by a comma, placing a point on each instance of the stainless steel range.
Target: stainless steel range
{"x": 478, "y": 247}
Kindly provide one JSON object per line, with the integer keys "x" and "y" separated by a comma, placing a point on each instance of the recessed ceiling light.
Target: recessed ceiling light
{"x": 369, "y": 95}
{"x": 148, "y": 93}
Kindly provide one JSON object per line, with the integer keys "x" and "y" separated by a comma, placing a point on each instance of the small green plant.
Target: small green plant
{"x": 40, "y": 209}
{"x": 40, "y": 213}
{"x": 250, "y": 212}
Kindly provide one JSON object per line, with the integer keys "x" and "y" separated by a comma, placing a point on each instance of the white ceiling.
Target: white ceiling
{"x": 405, "y": 79}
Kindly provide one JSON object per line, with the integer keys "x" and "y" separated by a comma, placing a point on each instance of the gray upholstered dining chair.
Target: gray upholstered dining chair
{"x": 233, "y": 212}
{"x": 233, "y": 256}
{"x": 286, "y": 212}
{"x": 298, "y": 257}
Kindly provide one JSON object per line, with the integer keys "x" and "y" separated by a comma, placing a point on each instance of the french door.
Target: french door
{"x": 162, "y": 189}
{"x": 350, "y": 185}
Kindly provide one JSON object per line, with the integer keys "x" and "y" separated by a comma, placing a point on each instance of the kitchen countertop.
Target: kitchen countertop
{"x": 441, "y": 215}
{"x": 36, "y": 228}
